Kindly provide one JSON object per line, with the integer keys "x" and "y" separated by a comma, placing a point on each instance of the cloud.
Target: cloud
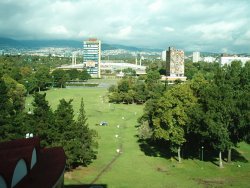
{"x": 155, "y": 6}
{"x": 123, "y": 34}
{"x": 58, "y": 30}
{"x": 168, "y": 29}
{"x": 187, "y": 24}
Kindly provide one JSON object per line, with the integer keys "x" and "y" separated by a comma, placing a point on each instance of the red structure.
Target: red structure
{"x": 23, "y": 163}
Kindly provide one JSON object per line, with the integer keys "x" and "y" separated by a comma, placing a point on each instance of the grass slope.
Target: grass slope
{"x": 133, "y": 168}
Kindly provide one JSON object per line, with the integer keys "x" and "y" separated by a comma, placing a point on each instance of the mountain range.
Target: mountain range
{"x": 36, "y": 44}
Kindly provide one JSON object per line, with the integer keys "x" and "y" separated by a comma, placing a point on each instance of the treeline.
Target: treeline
{"x": 37, "y": 73}
{"x": 138, "y": 90}
{"x": 132, "y": 90}
{"x": 210, "y": 112}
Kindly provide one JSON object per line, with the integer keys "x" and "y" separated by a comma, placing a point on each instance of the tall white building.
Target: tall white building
{"x": 196, "y": 57}
{"x": 163, "y": 55}
{"x": 92, "y": 56}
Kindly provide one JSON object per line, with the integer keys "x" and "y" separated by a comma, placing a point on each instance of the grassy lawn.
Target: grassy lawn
{"x": 132, "y": 167}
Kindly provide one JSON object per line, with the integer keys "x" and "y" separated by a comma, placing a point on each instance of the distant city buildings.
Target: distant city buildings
{"x": 209, "y": 59}
{"x": 196, "y": 57}
{"x": 174, "y": 65}
{"x": 92, "y": 56}
{"x": 227, "y": 60}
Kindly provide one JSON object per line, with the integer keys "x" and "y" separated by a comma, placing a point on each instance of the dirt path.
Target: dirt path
{"x": 105, "y": 169}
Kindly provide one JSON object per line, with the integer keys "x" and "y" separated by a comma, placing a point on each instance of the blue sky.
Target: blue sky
{"x": 194, "y": 25}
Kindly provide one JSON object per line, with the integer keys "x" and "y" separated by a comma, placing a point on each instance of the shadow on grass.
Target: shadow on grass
{"x": 188, "y": 151}
{"x": 238, "y": 157}
{"x": 87, "y": 186}
{"x": 155, "y": 148}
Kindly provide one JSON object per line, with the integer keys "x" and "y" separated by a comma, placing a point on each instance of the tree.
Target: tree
{"x": 6, "y": 113}
{"x": 16, "y": 93}
{"x": 11, "y": 108}
{"x": 216, "y": 118}
{"x": 112, "y": 88}
{"x": 64, "y": 130}
{"x": 129, "y": 72}
{"x": 115, "y": 97}
{"x": 41, "y": 122}
{"x": 73, "y": 74}
{"x": 129, "y": 96}
{"x": 124, "y": 85}
{"x": 87, "y": 138}
{"x": 169, "y": 120}
{"x": 244, "y": 103}
{"x": 190, "y": 70}
{"x": 154, "y": 86}
{"x": 141, "y": 93}
{"x": 84, "y": 75}
{"x": 42, "y": 77}
{"x": 74, "y": 136}
{"x": 239, "y": 98}
{"x": 60, "y": 77}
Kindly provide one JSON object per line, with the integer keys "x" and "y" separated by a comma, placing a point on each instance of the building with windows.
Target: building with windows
{"x": 209, "y": 59}
{"x": 227, "y": 60}
{"x": 196, "y": 57}
{"x": 174, "y": 65}
{"x": 92, "y": 56}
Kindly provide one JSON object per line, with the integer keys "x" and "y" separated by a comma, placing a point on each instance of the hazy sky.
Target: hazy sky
{"x": 202, "y": 25}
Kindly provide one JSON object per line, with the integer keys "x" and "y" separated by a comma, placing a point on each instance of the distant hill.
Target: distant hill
{"x": 9, "y": 43}
{"x": 35, "y": 44}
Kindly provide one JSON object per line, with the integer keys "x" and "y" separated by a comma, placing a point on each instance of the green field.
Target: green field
{"x": 132, "y": 167}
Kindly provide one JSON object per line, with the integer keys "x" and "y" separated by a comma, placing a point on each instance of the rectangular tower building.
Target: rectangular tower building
{"x": 92, "y": 56}
{"x": 196, "y": 57}
{"x": 175, "y": 65}
{"x": 175, "y": 62}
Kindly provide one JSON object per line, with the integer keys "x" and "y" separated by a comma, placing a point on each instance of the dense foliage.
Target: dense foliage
{"x": 210, "y": 112}
{"x": 132, "y": 90}
{"x": 39, "y": 73}
{"x": 59, "y": 128}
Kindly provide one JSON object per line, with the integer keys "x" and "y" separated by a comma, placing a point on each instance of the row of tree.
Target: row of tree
{"x": 36, "y": 74}
{"x": 132, "y": 90}
{"x": 59, "y": 128}
{"x": 213, "y": 113}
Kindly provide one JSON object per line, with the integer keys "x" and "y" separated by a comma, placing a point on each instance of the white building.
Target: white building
{"x": 196, "y": 57}
{"x": 228, "y": 59}
{"x": 92, "y": 56}
{"x": 163, "y": 55}
{"x": 209, "y": 59}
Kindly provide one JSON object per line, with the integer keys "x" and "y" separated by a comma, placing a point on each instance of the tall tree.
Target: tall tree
{"x": 87, "y": 138}
{"x": 16, "y": 93}
{"x": 170, "y": 119}
{"x": 74, "y": 136}
{"x": 216, "y": 110}
{"x": 42, "y": 120}
{"x": 6, "y": 113}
